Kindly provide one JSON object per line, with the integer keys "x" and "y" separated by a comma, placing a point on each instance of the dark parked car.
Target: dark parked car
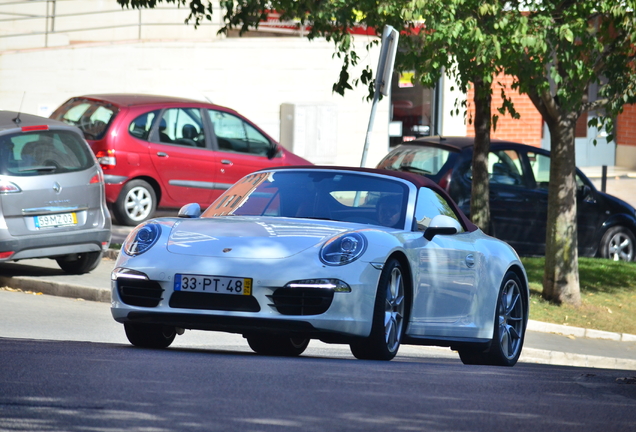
{"x": 160, "y": 151}
{"x": 519, "y": 177}
{"x": 52, "y": 202}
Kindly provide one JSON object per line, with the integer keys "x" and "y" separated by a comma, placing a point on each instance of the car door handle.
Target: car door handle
{"x": 226, "y": 162}
{"x": 162, "y": 154}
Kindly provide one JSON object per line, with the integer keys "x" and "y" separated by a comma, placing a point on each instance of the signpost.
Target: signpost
{"x": 383, "y": 76}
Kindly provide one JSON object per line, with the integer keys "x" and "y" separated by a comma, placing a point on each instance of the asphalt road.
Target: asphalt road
{"x": 66, "y": 366}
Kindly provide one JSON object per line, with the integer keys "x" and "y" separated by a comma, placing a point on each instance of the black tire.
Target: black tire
{"x": 389, "y": 317}
{"x": 150, "y": 335}
{"x": 136, "y": 203}
{"x": 510, "y": 327}
{"x": 80, "y": 263}
{"x": 273, "y": 345}
{"x": 618, "y": 244}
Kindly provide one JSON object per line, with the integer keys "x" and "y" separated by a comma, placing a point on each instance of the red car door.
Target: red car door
{"x": 242, "y": 149}
{"x": 182, "y": 159}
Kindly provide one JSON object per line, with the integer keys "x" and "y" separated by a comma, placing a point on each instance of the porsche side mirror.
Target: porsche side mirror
{"x": 190, "y": 211}
{"x": 442, "y": 224}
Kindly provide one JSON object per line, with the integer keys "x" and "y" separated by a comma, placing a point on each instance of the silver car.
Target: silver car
{"x": 52, "y": 202}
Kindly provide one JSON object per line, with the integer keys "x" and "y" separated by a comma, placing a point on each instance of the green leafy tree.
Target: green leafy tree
{"x": 556, "y": 50}
{"x": 560, "y": 51}
{"x": 459, "y": 40}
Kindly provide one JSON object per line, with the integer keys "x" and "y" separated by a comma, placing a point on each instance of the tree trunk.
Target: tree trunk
{"x": 561, "y": 273}
{"x": 480, "y": 194}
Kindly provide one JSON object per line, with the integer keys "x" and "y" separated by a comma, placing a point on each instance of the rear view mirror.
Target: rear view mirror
{"x": 190, "y": 211}
{"x": 442, "y": 224}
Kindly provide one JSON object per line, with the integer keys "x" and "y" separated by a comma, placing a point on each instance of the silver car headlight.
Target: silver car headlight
{"x": 343, "y": 249}
{"x": 142, "y": 238}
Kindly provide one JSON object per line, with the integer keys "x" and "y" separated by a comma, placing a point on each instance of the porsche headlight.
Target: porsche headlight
{"x": 142, "y": 238}
{"x": 343, "y": 249}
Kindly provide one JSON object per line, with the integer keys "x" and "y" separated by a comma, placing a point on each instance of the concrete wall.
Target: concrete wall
{"x": 252, "y": 75}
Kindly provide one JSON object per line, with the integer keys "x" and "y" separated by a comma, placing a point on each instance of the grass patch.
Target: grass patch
{"x": 608, "y": 296}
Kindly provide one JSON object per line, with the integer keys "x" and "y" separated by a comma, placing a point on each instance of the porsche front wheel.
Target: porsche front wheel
{"x": 388, "y": 317}
{"x": 150, "y": 335}
{"x": 272, "y": 345}
{"x": 510, "y": 321}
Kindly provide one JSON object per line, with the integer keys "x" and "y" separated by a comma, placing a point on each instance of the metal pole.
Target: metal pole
{"x": 604, "y": 178}
{"x": 46, "y": 25}
{"x": 376, "y": 97}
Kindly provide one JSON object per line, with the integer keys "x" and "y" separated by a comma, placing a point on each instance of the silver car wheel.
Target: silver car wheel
{"x": 138, "y": 204}
{"x": 394, "y": 310}
{"x": 511, "y": 319}
{"x": 621, "y": 247}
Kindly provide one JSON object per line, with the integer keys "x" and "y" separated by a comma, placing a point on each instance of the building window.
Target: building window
{"x": 412, "y": 108}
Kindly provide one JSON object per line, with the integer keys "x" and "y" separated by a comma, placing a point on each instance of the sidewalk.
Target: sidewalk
{"x": 545, "y": 343}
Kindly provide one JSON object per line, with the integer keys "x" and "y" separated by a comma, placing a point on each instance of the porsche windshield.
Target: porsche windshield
{"x": 330, "y": 195}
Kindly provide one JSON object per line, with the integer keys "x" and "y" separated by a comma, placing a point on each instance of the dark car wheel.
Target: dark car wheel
{"x": 510, "y": 320}
{"x": 136, "y": 203}
{"x": 388, "y": 317}
{"x": 618, "y": 244}
{"x": 272, "y": 345}
{"x": 150, "y": 335}
{"x": 80, "y": 263}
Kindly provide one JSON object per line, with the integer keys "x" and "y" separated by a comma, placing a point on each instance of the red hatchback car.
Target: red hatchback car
{"x": 159, "y": 151}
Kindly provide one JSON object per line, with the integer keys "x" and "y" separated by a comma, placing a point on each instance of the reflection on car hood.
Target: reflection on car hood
{"x": 249, "y": 237}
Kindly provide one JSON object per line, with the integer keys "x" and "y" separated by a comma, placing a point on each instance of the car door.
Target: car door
{"x": 446, "y": 274}
{"x": 182, "y": 158}
{"x": 242, "y": 148}
{"x": 512, "y": 199}
{"x": 589, "y": 212}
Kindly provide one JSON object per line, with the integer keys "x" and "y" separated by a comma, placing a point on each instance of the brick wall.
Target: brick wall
{"x": 626, "y": 126}
{"x": 527, "y": 129}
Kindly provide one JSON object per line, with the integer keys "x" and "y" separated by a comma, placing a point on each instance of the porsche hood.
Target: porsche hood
{"x": 240, "y": 237}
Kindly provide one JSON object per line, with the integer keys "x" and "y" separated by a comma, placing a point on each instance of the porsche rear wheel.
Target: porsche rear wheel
{"x": 272, "y": 345}
{"x": 150, "y": 335}
{"x": 388, "y": 317}
{"x": 510, "y": 320}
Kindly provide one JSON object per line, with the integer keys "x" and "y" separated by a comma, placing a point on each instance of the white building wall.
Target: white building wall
{"x": 252, "y": 75}
{"x": 452, "y": 124}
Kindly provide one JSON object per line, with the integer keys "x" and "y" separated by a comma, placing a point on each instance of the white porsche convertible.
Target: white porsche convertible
{"x": 369, "y": 258}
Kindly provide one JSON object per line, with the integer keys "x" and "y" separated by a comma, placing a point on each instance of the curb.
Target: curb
{"x": 580, "y": 332}
{"x": 56, "y": 288}
{"x": 558, "y": 358}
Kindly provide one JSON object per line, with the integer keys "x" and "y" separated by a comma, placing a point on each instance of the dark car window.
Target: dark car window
{"x": 45, "y": 152}
{"x": 505, "y": 167}
{"x": 182, "y": 126}
{"x": 540, "y": 165}
{"x": 424, "y": 160}
{"x": 92, "y": 117}
{"x": 235, "y": 135}
{"x": 140, "y": 127}
{"x": 430, "y": 204}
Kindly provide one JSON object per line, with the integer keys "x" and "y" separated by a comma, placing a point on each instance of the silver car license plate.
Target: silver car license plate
{"x": 213, "y": 284}
{"x": 55, "y": 220}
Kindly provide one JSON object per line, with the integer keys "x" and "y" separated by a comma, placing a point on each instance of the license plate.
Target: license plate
{"x": 213, "y": 284}
{"x": 55, "y": 220}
